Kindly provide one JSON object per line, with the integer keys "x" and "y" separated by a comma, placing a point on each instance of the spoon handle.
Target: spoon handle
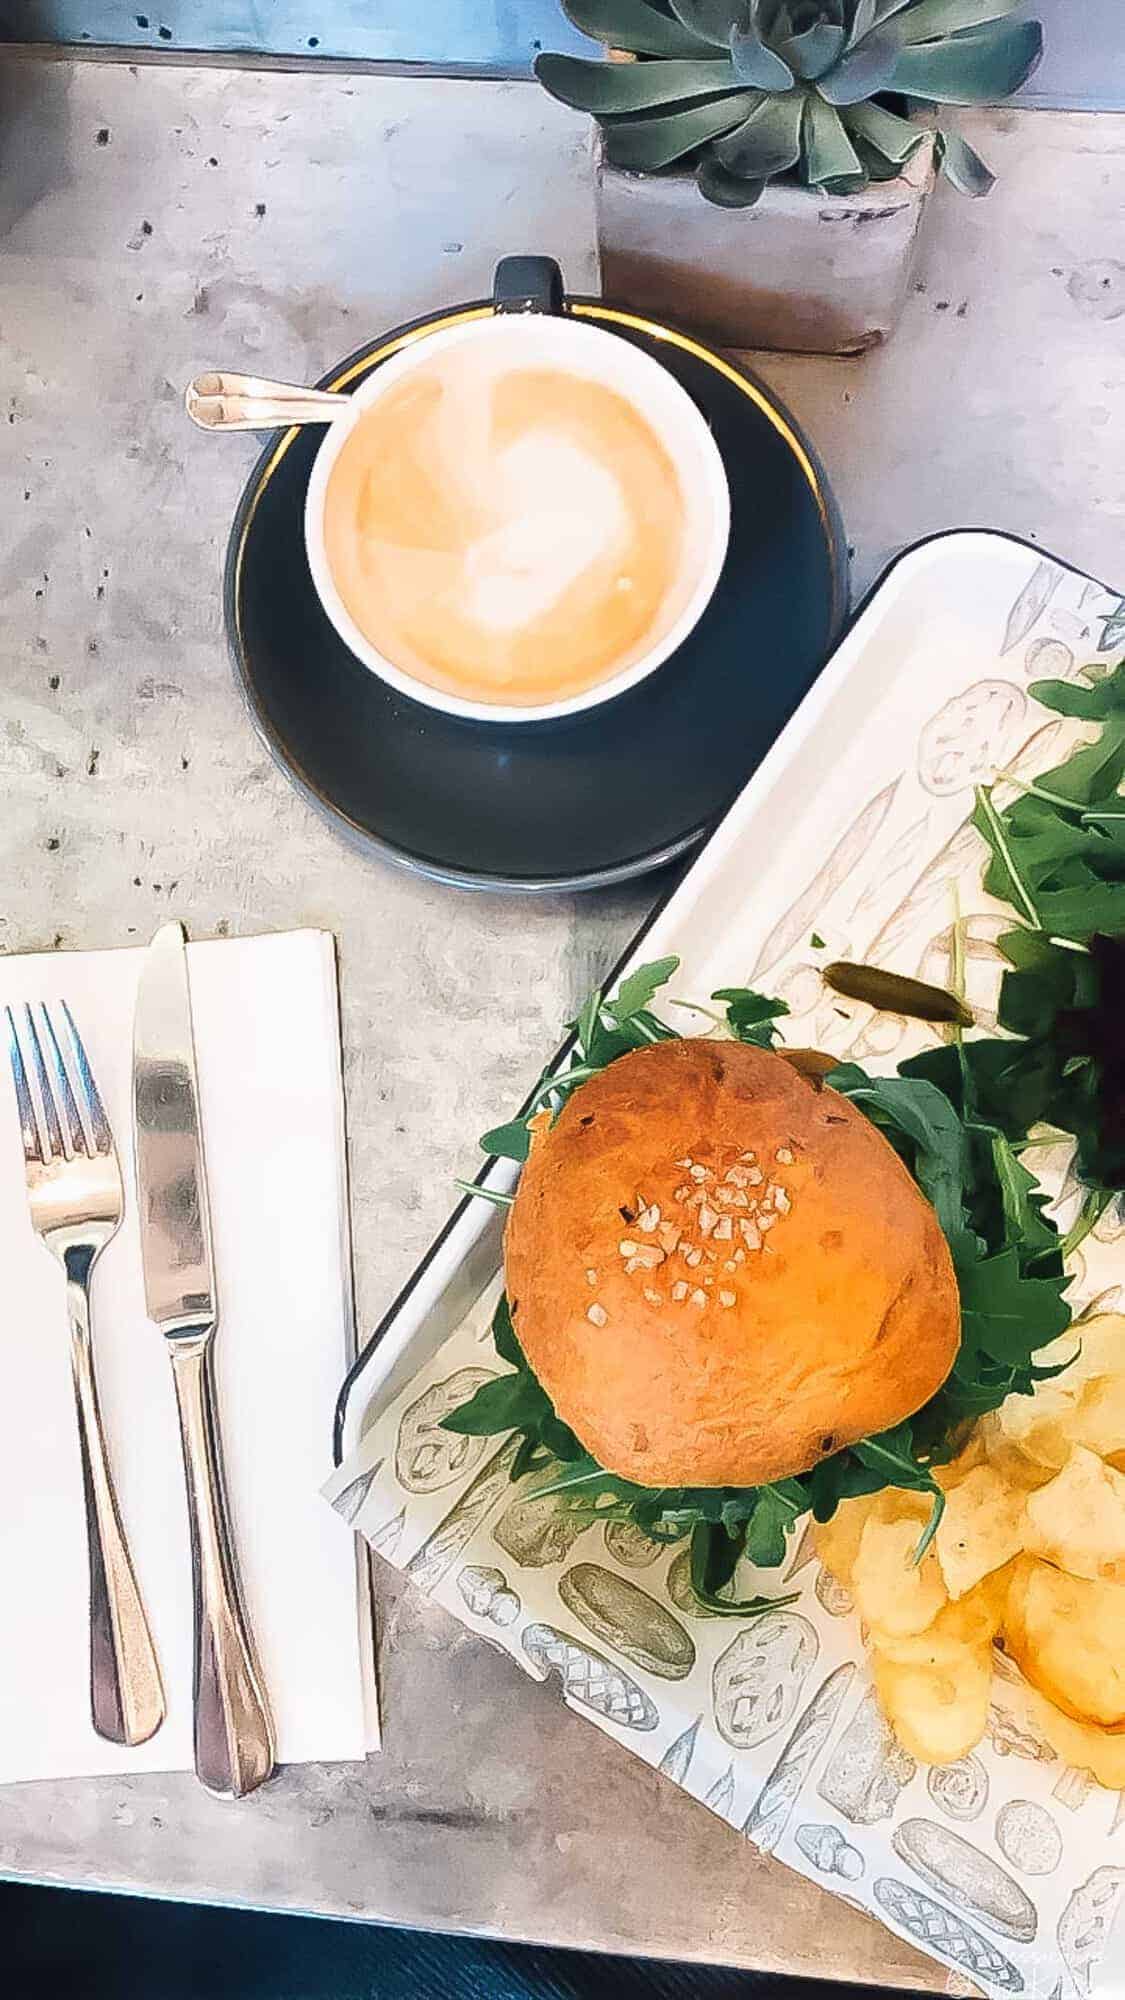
{"x": 226, "y": 402}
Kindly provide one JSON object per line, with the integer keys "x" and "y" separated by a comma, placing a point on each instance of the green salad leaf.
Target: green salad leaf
{"x": 1009, "y": 1270}
{"x": 750, "y": 1016}
{"x": 1057, "y": 855}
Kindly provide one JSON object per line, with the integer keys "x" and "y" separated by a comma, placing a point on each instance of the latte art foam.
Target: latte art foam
{"x": 507, "y": 534}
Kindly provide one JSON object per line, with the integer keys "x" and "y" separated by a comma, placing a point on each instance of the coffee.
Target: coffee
{"x": 508, "y": 532}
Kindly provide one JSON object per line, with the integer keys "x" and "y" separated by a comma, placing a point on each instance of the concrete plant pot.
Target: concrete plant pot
{"x": 808, "y": 272}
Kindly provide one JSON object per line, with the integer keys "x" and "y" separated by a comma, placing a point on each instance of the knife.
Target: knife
{"x": 234, "y": 1751}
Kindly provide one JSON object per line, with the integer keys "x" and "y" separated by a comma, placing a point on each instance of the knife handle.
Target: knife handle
{"x": 234, "y": 1750}
{"x": 126, "y": 1697}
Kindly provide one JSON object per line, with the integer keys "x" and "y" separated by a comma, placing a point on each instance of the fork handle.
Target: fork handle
{"x": 126, "y": 1696}
{"x": 234, "y": 1750}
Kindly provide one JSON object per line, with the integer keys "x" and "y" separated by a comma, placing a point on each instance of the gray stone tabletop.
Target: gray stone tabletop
{"x": 156, "y": 220}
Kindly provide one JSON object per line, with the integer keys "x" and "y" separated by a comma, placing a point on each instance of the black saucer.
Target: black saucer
{"x": 589, "y": 799}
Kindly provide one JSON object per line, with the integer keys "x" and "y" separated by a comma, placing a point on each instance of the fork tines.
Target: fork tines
{"x": 61, "y": 1111}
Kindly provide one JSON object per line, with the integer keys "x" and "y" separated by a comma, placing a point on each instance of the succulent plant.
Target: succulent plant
{"x": 747, "y": 90}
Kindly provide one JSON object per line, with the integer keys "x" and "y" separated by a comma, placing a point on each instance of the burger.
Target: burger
{"x": 722, "y": 1273}
{"x": 743, "y": 1282}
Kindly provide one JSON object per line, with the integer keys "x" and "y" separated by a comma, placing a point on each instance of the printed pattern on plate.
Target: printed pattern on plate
{"x": 1007, "y": 1867}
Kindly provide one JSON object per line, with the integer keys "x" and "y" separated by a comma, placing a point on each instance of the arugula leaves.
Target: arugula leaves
{"x": 750, "y": 1016}
{"x": 1009, "y": 1271}
{"x": 1057, "y": 854}
{"x": 1005, "y": 1255}
{"x": 604, "y": 1030}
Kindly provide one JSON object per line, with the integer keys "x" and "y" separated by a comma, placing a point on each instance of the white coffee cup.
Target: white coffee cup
{"x": 536, "y": 338}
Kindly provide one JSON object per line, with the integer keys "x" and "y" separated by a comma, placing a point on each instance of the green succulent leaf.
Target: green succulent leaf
{"x": 895, "y": 138}
{"x": 829, "y": 155}
{"x": 608, "y": 89}
{"x": 768, "y": 141}
{"x": 864, "y": 70}
{"x": 724, "y": 189}
{"x": 976, "y": 67}
{"x": 726, "y": 83}
{"x": 962, "y": 164}
{"x": 754, "y": 63}
{"x": 876, "y": 166}
{"x": 871, "y": 13}
{"x": 635, "y": 25}
{"x": 808, "y": 55}
{"x": 847, "y": 183}
{"x": 711, "y": 20}
{"x": 864, "y": 19}
{"x": 926, "y": 20}
{"x": 645, "y": 144}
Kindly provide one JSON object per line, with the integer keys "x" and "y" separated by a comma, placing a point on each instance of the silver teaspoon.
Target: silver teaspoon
{"x": 247, "y": 403}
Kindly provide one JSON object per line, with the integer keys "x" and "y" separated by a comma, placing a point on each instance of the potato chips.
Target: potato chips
{"x": 1067, "y": 1635}
{"x": 980, "y": 1530}
{"x": 1029, "y": 1556}
{"x": 1077, "y": 1520}
{"x": 894, "y": 1592}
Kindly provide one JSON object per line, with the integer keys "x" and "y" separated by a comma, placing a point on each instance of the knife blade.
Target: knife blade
{"x": 176, "y": 1249}
{"x": 233, "y": 1733}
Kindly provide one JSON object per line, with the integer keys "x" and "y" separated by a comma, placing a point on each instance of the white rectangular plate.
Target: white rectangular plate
{"x": 854, "y": 829}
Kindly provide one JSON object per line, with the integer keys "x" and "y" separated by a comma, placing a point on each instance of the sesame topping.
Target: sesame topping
{"x": 596, "y": 1314}
{"x": 591, "y": 1277}
{"x": 728, "y": 1298}
{"x": 733, "y": 1205}
{"x": 784, "y": 1156}
{"x": 641, "y": 1256}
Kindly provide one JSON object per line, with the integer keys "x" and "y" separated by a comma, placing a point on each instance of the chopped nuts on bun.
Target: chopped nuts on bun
{"x": 721, "y": 1272}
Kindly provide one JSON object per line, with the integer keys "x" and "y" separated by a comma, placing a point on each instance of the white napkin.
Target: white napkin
{"x": 268, "y": 1049}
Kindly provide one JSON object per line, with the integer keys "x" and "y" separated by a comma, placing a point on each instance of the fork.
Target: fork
{"x": 76, "y": 1200}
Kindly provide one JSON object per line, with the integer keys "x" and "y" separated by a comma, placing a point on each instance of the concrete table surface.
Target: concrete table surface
{"x": 156, "y": 220}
